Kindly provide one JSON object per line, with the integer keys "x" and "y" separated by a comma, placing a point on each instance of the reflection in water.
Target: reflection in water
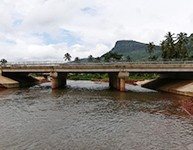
{"x": 87, "y": 115}
{"x": 187, "y": 106}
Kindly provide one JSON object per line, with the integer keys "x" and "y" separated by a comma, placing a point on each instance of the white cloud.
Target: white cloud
{"x": 97, "y": 24}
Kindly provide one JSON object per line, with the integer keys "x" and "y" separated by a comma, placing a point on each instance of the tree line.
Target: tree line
{"x": 173, "y": 47}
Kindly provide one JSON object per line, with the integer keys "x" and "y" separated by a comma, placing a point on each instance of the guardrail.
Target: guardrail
{"x": 55, "y": 63}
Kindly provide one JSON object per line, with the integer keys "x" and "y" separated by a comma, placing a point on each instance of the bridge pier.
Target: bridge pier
{"x": 117, "y": 80}
{"x": 58, "y": 79}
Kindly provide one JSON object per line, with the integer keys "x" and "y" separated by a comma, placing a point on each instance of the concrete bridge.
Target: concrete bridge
{"x": 117, "y": 72}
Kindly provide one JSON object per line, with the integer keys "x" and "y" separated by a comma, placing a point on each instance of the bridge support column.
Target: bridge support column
{"x": 117, "y": 80}
{"x": 122, "y": 76}
{"x": 58, "y": 79}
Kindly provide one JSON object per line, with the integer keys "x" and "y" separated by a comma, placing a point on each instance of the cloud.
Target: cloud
{"x": 47, "y": 29}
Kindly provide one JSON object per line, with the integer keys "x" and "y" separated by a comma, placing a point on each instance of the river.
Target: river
{"x": 87, "y": 115}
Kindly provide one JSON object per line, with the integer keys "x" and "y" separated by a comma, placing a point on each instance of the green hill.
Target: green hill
{"x": 136, "y": 50}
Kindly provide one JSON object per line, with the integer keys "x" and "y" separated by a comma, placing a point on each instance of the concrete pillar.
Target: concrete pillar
{"x": 58, "y": 79}
{"x": 122, "y": 76}
{"x": 122, "y": 85}
{"x": 117, "y": 80}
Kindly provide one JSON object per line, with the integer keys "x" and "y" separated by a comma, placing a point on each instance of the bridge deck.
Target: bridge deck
{"x": 99, "y": 67}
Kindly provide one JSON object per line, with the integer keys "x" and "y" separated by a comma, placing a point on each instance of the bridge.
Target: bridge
{"x": 117, "y": 71}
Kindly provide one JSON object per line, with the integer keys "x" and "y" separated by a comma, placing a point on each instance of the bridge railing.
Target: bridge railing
{"x": 56, "y": 63}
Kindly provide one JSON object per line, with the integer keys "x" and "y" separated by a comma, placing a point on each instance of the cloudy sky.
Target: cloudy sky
{"x": 47, "y": 29}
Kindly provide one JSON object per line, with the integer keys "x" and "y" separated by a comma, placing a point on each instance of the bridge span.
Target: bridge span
{"x": 118, "y": 71}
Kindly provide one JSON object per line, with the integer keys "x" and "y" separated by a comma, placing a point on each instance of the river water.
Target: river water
{"x": 88, "y": 116}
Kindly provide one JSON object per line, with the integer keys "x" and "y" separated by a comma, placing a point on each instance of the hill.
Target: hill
{"x": 136, "y": 50}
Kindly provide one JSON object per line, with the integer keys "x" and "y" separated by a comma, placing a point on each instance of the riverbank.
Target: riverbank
{"x": 6, "y": 82}
{"x": 181, "y": 87}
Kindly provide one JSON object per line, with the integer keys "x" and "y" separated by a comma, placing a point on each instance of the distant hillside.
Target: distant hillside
{"x": 136, "y": 50}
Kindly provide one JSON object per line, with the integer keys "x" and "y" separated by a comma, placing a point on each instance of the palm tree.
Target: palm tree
{"x": 67, "y": 57}
{"x": 3, "y": 61}
{"x": 90, "y": 58}
{"x": 150, "y": 49}
{"x": 168, "y": 46}
{"x": 191, "y": 40}
{"x": 181, "y": 46}
{"x": 191, "y": 46}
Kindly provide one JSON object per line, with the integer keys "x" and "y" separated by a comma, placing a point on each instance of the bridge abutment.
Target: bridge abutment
{"x": 58, "y": 79}
{"x": 12, "y": 80}
{"x": 117, "y": 80}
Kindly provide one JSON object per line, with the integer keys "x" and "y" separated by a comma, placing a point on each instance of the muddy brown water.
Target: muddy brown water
{"x": 88, "y": 116}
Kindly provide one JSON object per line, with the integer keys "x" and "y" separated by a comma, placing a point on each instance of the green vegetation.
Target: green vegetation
{"x": 150, "y": 50}
{"x": 90, "y": 58}
{"x": 77, "y": 60}
{"x": 112, "y": 56}
{"x": 88, "y": 76}
{"x": 97, "y": 76}
{"x": 142, "y": 76}
{"x": 175, "y": 47}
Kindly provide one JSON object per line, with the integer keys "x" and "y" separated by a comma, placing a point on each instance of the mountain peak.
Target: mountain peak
{"x": 125, "y": 46}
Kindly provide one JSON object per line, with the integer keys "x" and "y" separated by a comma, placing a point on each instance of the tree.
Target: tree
{"x": 77, "y": 59}
{"x": 123, "y": 59}
{"x": 97, "y": 59}
{"x": 191, "y": 41}
{"x": 112, "y": 56}
{"x": 150, "y": 49}
{"x": 190, "y": 57}
{"x": 181, "y": 46}
{"x": 90, "y": 58}
{"x": 3, "y": 61}
{"x": 67, "y": 57}
{"x": 168, "y": 47}
{"x": 128, "y": 58}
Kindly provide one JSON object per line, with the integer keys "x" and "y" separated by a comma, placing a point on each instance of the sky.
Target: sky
{"x": 44, "y": 30}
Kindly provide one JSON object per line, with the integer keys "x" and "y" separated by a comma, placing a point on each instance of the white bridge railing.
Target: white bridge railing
{"x": 56, "y": 63}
